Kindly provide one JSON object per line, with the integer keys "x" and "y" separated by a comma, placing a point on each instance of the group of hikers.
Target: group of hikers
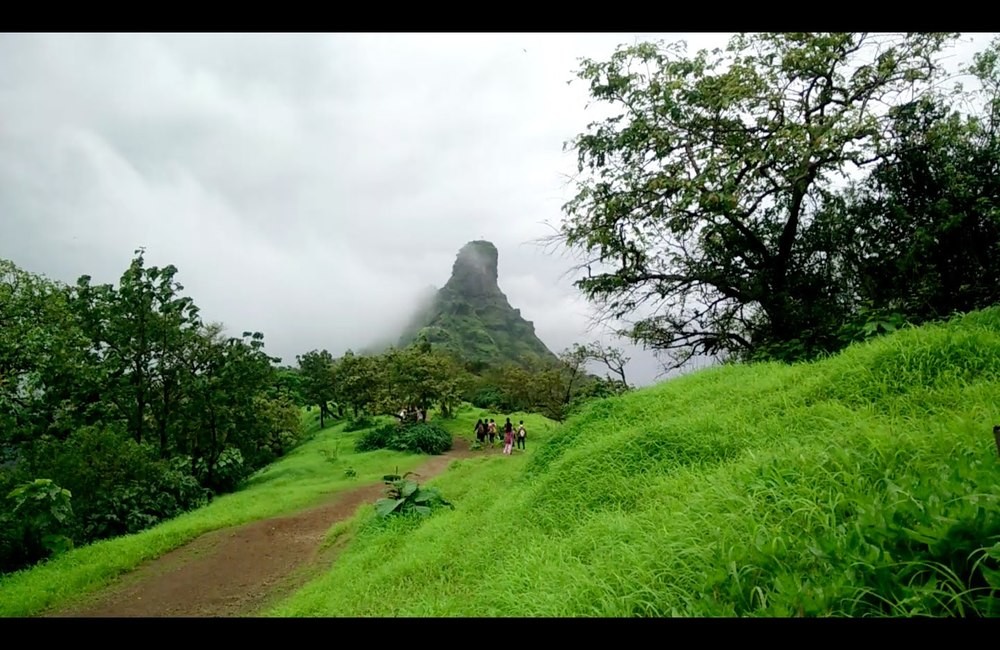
{"x": 488, "y": 429}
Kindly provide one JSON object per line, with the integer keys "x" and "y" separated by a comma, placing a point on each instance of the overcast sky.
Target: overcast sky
{"x": 304, "y": 185}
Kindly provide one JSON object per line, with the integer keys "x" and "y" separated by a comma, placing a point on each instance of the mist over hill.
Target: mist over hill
{"x": 472, "y": 317}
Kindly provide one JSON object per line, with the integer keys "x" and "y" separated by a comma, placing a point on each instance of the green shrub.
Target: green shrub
{"x": 377, "y": 438}
{"x": 34, "y": 523}
{"x": 357, "y": 424}
{"x": 276, "y": 429}
{"x": 118, "y": 485}
{"x": 131, "y": 508}
{"x": 417, "y": 437}
{"x": 404, "y": 496}
{"x": 227, "y": 473}
{"x": 423, "y": 437}
{"x": 490, "y": 398}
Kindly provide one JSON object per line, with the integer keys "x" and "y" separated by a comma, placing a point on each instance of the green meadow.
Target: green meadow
{"x": 865, "y": 484}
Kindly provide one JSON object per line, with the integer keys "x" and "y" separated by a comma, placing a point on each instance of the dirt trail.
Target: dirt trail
{"x": 238, "y": 571}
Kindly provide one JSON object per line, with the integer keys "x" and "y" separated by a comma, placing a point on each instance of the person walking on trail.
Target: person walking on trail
{"x": 508, "y": 438}
{"x": 521, "y": 435}
{"x": 481, "y": 431}
{"x": 493, "y": 432}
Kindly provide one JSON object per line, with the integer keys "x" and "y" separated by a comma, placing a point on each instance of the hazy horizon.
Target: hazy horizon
{"x": 308, "y": 186}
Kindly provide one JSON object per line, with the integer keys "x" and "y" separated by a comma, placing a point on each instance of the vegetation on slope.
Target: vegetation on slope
{"x": 418, "y": 437}
{"x": 862, "y": 484}
{"x": 121, "y": 408}
{"x": 471, "y": 318}
{"x": 423, "y": 376}
{"x": 312, "y": 471}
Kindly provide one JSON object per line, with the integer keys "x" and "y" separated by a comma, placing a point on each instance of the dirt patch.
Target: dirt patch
{"x": 237, "y": 571}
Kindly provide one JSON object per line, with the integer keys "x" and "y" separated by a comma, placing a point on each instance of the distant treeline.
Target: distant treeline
{"x": 423, "y": 376}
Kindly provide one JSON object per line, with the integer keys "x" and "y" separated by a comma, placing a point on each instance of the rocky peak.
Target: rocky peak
{"x": 475, "y": 270}
{"x": 473, "y": 318}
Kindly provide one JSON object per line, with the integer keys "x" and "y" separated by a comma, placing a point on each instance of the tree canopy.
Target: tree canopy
{"x": 705, "y": 202}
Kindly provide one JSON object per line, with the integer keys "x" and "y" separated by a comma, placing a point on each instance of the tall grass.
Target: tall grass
{"x": 866, "y": 484}
{"x": 308, "y": 473}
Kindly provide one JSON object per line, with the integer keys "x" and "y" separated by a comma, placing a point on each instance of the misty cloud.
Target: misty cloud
{"x": 307, "y": 186}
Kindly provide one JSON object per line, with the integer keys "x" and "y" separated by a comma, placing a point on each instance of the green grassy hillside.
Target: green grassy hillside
{"x": 864, "y": 484}
{"x": 309, "y": 473}
{"x": 484, "y": 330}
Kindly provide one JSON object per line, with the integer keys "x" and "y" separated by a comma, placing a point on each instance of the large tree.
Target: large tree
{"x": 922, "y": 233}
{"x": 420, "y": 377}
{"x": 358, "y": 380}
{"x": 318, "y": 386}
{"x": 699, "y": 186}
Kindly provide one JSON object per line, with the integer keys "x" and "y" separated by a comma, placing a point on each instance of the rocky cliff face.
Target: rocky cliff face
{"x": 474, "y": 274}
{"x": 473, "y": 317}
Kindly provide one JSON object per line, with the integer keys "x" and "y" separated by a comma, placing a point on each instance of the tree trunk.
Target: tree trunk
{"x": 163, "y": 420}
{"x": 213, "y": 454}
{"x": 140, "y": 414}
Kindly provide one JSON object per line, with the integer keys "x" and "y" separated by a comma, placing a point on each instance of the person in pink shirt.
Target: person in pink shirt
{"x": 508, "y": 437}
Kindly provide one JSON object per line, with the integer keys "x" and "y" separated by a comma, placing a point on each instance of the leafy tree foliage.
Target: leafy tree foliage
{"x": 921, "y": 236}
{"x": 358, "y": 381}
{"x": 553, "y": 389}
{"x": 128, "y": 403}
{"x": 290, "y": 383}
{"x": 697, "y": 195}
{"x": 318, "y": 382}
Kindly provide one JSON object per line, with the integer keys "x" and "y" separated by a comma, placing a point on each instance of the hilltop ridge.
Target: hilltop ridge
{"x": 473, "y": 318}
